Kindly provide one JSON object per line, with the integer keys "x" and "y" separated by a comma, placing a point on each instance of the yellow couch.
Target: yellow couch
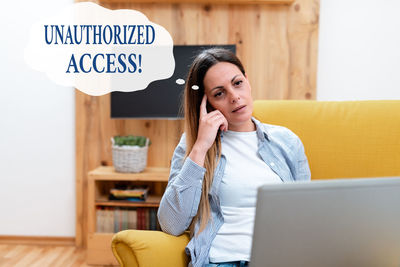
{"x": 345, "y": 139}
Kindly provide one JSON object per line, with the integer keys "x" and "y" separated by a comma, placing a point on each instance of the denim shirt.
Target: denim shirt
{"x": 278, "y": 147}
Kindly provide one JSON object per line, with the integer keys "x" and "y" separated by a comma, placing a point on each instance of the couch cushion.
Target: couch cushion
{"x": 342, "y": 139}
{"x": 149, "y": 248}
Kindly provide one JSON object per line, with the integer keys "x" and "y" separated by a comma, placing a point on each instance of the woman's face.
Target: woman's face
{"x": 229, "y": 91}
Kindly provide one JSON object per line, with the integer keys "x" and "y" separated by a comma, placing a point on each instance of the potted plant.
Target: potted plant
{"x": 129, "y": 153}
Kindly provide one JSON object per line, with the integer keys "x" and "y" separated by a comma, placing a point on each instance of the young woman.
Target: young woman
{"x": 222, "y": 158}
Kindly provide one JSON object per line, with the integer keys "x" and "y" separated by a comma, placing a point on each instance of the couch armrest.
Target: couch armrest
{"x": 134, "y": 248}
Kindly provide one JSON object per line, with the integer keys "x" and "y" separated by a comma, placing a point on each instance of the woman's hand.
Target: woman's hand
{"x": 209, "y": 123}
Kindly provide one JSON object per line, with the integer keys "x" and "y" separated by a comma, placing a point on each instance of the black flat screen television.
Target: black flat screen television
{"x": 162, "y": 98}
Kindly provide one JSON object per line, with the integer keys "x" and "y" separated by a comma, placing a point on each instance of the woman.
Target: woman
{"x": 221, "y": 159}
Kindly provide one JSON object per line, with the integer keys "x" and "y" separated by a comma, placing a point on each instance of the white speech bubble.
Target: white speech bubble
{"x": 133, "y": 51}
{"x": 180, "y": 81}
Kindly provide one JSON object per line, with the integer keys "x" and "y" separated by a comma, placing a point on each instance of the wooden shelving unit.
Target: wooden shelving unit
{"x": 100, "y": 181}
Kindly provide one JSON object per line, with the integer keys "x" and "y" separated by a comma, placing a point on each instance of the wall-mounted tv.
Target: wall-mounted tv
{"x": 162, "y": 98}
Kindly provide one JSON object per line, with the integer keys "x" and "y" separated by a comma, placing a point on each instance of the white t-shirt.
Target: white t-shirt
{"x": 244, "y": 172}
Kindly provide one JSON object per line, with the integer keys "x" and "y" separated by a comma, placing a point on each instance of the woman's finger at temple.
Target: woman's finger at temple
{"x": 203, "y": 106}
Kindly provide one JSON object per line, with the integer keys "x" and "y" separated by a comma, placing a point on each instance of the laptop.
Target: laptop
{"x": 346, "y": 222}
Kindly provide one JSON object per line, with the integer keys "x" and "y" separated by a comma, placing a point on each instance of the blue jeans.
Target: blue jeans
{"x": 229, "y": 264}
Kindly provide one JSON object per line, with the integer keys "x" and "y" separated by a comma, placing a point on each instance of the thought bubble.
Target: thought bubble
{"x": 98, "y": 50}
{"x": 180, "y": 81}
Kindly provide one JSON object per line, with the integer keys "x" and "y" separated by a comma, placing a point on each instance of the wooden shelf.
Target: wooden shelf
{"x": 100, "y": 181}
{"x": 230, "y": 2}
{"x": 151, "y": 202}
{"x": 151, "y": 174}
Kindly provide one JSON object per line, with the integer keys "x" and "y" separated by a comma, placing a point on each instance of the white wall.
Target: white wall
{"x": 37, "y": 136}
{"x": 359, "y": 50}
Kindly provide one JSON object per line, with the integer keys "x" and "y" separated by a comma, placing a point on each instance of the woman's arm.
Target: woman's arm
{"x": 181, "y": 199}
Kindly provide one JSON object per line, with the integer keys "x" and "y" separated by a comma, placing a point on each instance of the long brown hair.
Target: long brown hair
{"x": 192, "y": 100}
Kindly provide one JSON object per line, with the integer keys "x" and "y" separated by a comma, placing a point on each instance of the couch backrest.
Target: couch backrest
{"x": 342, "y": 139}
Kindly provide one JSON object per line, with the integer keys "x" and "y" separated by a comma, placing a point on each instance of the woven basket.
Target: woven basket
{"x": 129, "y": 158}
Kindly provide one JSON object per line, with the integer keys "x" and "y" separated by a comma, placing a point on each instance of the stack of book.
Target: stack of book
{"x": 132, "y": 193}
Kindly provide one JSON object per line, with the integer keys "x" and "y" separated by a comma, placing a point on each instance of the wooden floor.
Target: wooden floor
{"x": 42, "y": 256}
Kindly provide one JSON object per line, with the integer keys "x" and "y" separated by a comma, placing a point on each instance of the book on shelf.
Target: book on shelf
{"x": 153, "y": 219}
{"x": 139, "y": 219}
{"x": 115, "y": 219}
{"x": 132, "y": 219}
{"x": 104, "y": 220}
{"x": 109, "y": 220}
{"x": 100, "y": 213}
{"x": 129, "y": 193}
